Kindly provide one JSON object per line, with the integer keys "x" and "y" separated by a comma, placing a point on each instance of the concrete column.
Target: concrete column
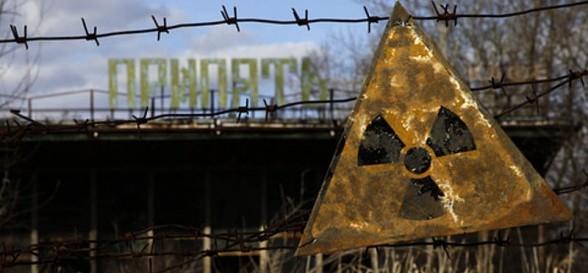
{"x": 206, "y": 245}
{"x": 93, "y": 234}
{"x": 318, "y": 263}
{"x": 206, "y": 242}
{"x": 150, "y": 213}
{"x": 263, "y": 254}
{"x": 374, "y": 260}
{"x": 34, "y": 236}
{"x": 263, "y": 257}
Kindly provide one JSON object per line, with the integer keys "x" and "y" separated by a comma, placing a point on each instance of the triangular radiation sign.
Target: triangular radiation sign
{"x": 419, "y": 158}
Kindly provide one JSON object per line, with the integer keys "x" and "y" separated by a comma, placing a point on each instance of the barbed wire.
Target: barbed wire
{"x": 573, "y": 188}
{"x": 243, "y": 241}
{"x": 61, "y": 252}
{"x": 142, "y": 244}
{"x": 494, "y": 84}
{"x": 233, "y": 19}
{"x": 17, "y": 131}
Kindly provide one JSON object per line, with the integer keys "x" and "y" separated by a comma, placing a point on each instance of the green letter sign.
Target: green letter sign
{"x": 147, "y": 87}
{"x": 188, "y": 81}
{"x": 222, "y": 81}
{"x": 113, "y": 81}
{"x": 184, "y": 79}
{"x": 278, "y": 74}
{"x": 240, "y": 84}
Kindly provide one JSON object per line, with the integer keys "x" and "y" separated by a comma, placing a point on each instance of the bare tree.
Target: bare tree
{"x": 533, "y": 46}
{"x": 12, "y": 91}
{"x": 15, "y": 90}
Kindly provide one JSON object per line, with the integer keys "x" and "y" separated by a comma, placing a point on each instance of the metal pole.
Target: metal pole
{"x": 331, "y": 104}
{"x": 161, "y": 96}
{"x": 211, "y": 101}
{"x": 152, "y": 106}
{"x": 92, "y": 105}
{"x": 30, "y": 105}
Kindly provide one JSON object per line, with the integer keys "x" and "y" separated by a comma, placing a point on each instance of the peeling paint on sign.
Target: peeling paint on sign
{"x": 419, "y": 158}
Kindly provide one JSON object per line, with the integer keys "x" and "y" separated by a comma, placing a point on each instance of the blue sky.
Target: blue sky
{"x": 64, "y": 66}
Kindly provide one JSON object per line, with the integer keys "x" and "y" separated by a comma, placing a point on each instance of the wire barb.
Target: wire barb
{"x": 231, "y": 20}
{"x": 443, "y": 244}
{"x": 501, "y": 242}
{"x": 370, "y": 19}
{"x": 301, "y": 21}
{"x": 243, "y": 110}
{"x": 162, "y": 28}
{"x": 32, "y": 121}
{"x": 574, "y": 75}
{"x": 84, "y": 126}
{"x": 534, "y": 99}
{"x": 20, "y": 39}
{"x": 499, "y": 84}
{"x": 446, "y": 15}
{"x": 269, "y": 109}
{"x": 90, "y": 36}
{"x": 141, "y": 120}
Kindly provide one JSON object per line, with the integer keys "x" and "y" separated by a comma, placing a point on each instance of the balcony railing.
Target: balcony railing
{"x": 92, "y": 104}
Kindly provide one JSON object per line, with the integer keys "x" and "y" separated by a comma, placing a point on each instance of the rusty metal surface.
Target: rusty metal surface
{"x": 419, "y": 158}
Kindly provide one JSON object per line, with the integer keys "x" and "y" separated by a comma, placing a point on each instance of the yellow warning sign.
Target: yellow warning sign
{"x": 419, "y": 158}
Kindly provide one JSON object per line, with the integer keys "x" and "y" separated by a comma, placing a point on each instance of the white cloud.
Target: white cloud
{"x": 75, "y": 65}
{"x": 225, "y": 42}
{"x": 219, "y": 38}
{"x": 290, "y": 49}
{"x": 64, "y": 15}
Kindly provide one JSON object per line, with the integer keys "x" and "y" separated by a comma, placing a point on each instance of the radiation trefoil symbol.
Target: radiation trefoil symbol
{"x": 448, "y": 136}
{"x": 388, "y": 183}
